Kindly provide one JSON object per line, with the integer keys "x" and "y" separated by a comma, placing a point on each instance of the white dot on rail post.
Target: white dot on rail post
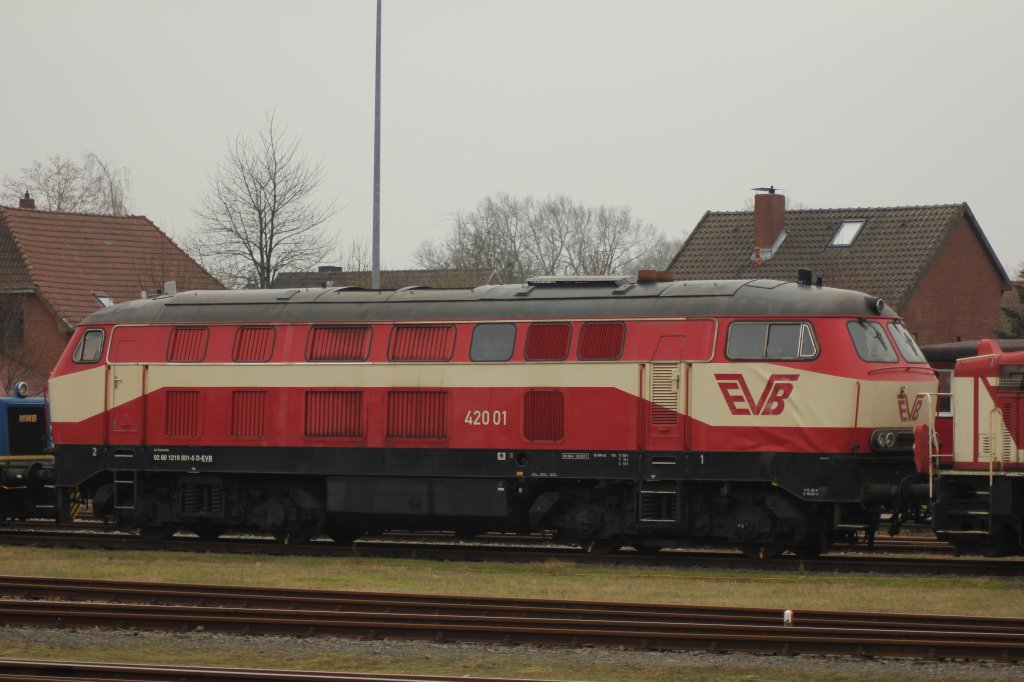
{"x": 787, "y": 617}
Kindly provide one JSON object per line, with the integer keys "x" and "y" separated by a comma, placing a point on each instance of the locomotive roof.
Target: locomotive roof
{"x": 542, "y": 297}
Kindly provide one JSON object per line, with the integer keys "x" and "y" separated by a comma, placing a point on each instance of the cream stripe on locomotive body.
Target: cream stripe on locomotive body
{"x": 632, "y": 448}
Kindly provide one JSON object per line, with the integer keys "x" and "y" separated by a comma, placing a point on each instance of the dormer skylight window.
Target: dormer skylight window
{"x": 847, "y": 232}
{"x": 107, "y": 301}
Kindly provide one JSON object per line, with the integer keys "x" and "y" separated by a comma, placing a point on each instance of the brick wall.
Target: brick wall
{"x": 44, "y": 338}
{"x": 960, "y": 296}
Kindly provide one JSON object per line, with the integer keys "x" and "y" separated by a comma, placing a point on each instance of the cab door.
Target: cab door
{"x": 125, "y": 389}
{"x": 665, "y": 395}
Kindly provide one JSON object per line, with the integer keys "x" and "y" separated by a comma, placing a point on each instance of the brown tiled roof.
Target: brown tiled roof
{"x": 68, "y": 258}
{"x": 887, "y": 259}
{"x": 389, "y": 279}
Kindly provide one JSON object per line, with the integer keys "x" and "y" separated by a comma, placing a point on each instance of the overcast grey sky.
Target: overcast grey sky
{"x": 671, "y": 108}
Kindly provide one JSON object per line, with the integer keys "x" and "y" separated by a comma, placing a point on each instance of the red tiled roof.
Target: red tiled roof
{"x": 888, "y": 258}
{"x": 69, "y": 258}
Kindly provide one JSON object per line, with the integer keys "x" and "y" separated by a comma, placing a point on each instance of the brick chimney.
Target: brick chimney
{"x": 769, "y": 217}
{"x": 27, "y": 201}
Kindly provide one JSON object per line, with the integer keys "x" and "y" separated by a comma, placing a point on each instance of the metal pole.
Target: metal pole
{"x": 375, "y": 276}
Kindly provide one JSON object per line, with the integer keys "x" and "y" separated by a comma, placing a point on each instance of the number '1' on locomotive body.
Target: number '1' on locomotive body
{"x": 611, "y": 411}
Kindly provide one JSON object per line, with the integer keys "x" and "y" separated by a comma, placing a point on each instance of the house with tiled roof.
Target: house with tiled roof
{"x": 932, "y": 264}
{"x": 334, "y": 276}
{"x": 56, "y": 268}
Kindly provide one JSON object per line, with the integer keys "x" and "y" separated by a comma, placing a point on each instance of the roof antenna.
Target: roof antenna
{"x": 770, "y": 189}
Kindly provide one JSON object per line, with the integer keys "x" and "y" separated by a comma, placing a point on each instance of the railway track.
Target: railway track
{"x": 53, "y": 671}
{"x": 444, "y": 547}
{"x": 44, "y": 602}
{"x": 883, "y": 544}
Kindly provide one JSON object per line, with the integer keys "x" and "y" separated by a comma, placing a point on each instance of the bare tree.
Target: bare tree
{"x": 260, "y": 215}
{"x": 110, "y": 184}
{"x": 354, "y": 255}
{"x": 555, "y": 236}
{"x": 60, "y": 184}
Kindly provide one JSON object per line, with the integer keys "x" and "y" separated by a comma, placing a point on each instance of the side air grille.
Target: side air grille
{"x": 182, "y": 418}
{"x": 338, "y": 344}
{"x": 548, "y": 341}
{"x": 248, "y": 414}
{"x": 544, "y": 415}
{"x": 417, "y": 414}
{"x": 601, "y": 341}
{"x": 334, "y": 414}
{"x": 422, "y": 343}
{"x": 253, "y": 344}
{"x": 188, "y": 344}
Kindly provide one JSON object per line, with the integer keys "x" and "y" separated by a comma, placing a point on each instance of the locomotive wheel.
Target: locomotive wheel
{"x": 293, "y": 537}
{"x": 156, "y": 533}
{"x": 758, "y": 551}
{"x": 344, "y": 536}
{"x": 207, "y": 533}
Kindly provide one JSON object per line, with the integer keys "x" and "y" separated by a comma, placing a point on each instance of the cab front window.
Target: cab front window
{"x": 905, "y": 342}
{"x": 871, "y": 342}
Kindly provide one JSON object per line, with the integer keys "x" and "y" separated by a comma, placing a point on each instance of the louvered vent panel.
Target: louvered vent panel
{"x": 664, "y": 394}
{"x": 417, "y": 414}
{"x": 334, "y": 414}
{"x": 188, "y": 344}
{"x": 182, "y": 414}
{"x": 1007, "y": 448}
{"x": 601, "y": 341}
{"x": 423, "y": 342}
{"x": 248, "y": 414}
{"x": 544, "y": 415}
{"x": 254, "y": 344}
{"x": 339, "y": 344}
{"x": 547, "y": 341}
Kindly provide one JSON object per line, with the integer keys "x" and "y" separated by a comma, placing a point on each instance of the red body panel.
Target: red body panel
{"x": 596, "y": 417}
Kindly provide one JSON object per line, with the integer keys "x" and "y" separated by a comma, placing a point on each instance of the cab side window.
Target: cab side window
{"x": 90, "y": 347}
{"x": 771, "y": 341}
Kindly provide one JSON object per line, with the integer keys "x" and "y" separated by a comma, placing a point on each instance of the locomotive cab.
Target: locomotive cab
{"x": 978, "y": 491}
{"x": 25, "y": 463}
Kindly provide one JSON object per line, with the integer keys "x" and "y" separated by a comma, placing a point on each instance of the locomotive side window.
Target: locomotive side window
{"x": 944, "y": 403}
{"x": 905, "y": 342}
{"x": 548, "y": 341}
{"x": 601, "y": 341}
{"x": 89, "y": 348}
{"x": 188, "y": 344}
{"x": 871, "y": 342}
{"x": 492, "y": 342}
{"x": 338, "y": 344}
{"x": 771, "y": 341}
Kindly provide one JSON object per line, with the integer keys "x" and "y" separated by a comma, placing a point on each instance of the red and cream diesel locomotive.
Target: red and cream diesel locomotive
{"x": 975, "y": 466}
{"x": 612, "y": 410}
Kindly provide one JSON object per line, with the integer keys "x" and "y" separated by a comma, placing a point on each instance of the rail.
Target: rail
{"x": 42, "y": 602}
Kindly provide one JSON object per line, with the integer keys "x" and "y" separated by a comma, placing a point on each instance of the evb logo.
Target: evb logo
{"x": 909, "y": 411}
{"x": 771, "y": 402}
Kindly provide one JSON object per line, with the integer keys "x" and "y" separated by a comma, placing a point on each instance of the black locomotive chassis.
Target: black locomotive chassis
{"x": 849, "y": 478}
